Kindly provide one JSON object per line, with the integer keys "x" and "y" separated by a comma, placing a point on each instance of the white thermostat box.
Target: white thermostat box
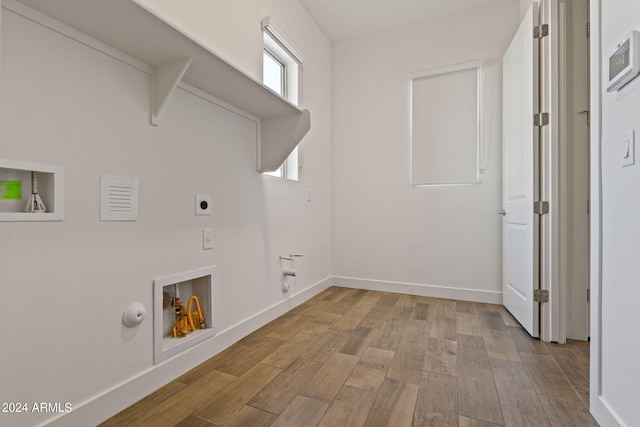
{"x": 624, "y": 62}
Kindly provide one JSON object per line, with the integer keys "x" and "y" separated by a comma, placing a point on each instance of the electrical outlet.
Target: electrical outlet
{"x": 204, "y": 205}
{"x": 207, "y": 239}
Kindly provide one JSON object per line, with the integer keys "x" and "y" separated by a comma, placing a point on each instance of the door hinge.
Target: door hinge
{"x": 588, "y": 295}
{"x": 541, "y": 295}
{"x": 540, "y": 208}
{"x": 540, "y": 119}
{"x": 540, "y": 31}
{"x": 588, "y": 29}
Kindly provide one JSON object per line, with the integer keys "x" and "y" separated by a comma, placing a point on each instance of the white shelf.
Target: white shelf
{"x": 129, "y": 28}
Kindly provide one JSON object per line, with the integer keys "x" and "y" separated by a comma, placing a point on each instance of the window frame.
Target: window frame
{"x": 277, "y": 46}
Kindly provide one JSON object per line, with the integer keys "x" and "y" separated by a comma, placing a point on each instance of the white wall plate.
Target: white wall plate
{"x": 204, "y": 204}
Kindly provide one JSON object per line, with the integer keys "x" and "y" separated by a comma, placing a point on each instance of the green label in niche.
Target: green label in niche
{"x": 10, "y": 190}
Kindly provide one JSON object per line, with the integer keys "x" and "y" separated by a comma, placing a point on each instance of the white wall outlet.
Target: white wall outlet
{"x": 629, "y": 148}
{"x": 204, "y": 204}
{"x": 207, "y": 238}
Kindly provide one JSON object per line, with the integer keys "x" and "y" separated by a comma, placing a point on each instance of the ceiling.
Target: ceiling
{"x": 345, "y": 19}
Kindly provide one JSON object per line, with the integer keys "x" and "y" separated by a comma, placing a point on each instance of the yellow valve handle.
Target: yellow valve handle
{"x": 182, "y": 326}
{"x": 195, "y": 314}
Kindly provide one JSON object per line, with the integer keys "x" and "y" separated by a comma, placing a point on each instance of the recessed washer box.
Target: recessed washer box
{"x": 199, "y": 283}
{"x": 204, "y": 204}
{"x": 16, "y": 180}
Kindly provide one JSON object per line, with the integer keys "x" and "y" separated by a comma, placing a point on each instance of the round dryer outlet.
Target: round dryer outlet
{"x": 204, "y": 205}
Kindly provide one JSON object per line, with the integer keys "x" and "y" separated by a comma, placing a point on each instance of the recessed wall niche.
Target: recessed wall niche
{"x": 183, "y": 286}
{"x": 20, "y": 181}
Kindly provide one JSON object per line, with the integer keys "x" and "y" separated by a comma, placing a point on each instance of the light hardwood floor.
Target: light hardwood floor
{"x": 350, "y": 358}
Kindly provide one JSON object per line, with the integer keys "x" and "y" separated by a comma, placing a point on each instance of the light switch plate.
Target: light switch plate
{"x": 204, "y": 204}
{"x": 207, "y": 238}
{"x": 629, "y": 148}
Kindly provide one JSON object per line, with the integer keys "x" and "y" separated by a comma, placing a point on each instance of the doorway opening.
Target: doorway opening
{"x": 574, "y": 172}
{"x": 546, "y": 171}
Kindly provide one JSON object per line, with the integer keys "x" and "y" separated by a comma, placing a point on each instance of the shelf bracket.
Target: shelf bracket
{"x": 280, "y": 135}
{"x": 164, "y": 80}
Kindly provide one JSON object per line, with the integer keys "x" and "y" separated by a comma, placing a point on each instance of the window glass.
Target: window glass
{"x": 273, "y": 73}
{"x": 281, "y": 71}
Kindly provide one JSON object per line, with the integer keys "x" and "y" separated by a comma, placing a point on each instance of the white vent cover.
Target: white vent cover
{"x": 118, "y": 198}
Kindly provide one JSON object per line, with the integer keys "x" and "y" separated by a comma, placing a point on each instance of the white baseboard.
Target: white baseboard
{"x": 100, "y": 407}
{"x": 604, "y": 413}
{"x": 421, "y": 290}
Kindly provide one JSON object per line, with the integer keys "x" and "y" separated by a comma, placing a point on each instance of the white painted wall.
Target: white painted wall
{"x": 66, "y": 284}
{"x": 615, "y": 371}
{"x": 523, "y": 6}
{"x": 443, "y": 241}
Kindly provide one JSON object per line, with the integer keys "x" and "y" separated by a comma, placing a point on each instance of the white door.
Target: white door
{"x": 520, "y": 230}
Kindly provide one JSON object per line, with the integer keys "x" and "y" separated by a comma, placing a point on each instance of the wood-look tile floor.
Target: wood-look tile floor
{"x": 349, "y": 358}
